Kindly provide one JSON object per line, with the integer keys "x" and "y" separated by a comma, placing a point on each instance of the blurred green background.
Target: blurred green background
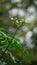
{"x": 27, "y": 34}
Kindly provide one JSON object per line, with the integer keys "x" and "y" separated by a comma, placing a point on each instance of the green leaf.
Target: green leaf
{"x": 2, "y": 29}
{"x": 17, "y": 47}
{"x": 15, "y": 59}
{"x": 18, "y": 61}
{"x": 3, "y": 39}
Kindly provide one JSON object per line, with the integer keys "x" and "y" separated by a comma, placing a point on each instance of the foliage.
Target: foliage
{"x": 11, "y": 41}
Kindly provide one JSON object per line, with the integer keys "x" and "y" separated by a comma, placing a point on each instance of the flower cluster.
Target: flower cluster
{"x": 18, "y": 21}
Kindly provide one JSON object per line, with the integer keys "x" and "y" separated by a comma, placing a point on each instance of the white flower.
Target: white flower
{"x": 17, "y": 21}
{"x": 11, "y": 18}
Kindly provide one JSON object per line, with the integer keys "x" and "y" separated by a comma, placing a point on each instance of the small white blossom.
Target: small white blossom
{"x": 11, "y": 18}
{"x": 20, "y": 21}
{"x": 17, "y": 21}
